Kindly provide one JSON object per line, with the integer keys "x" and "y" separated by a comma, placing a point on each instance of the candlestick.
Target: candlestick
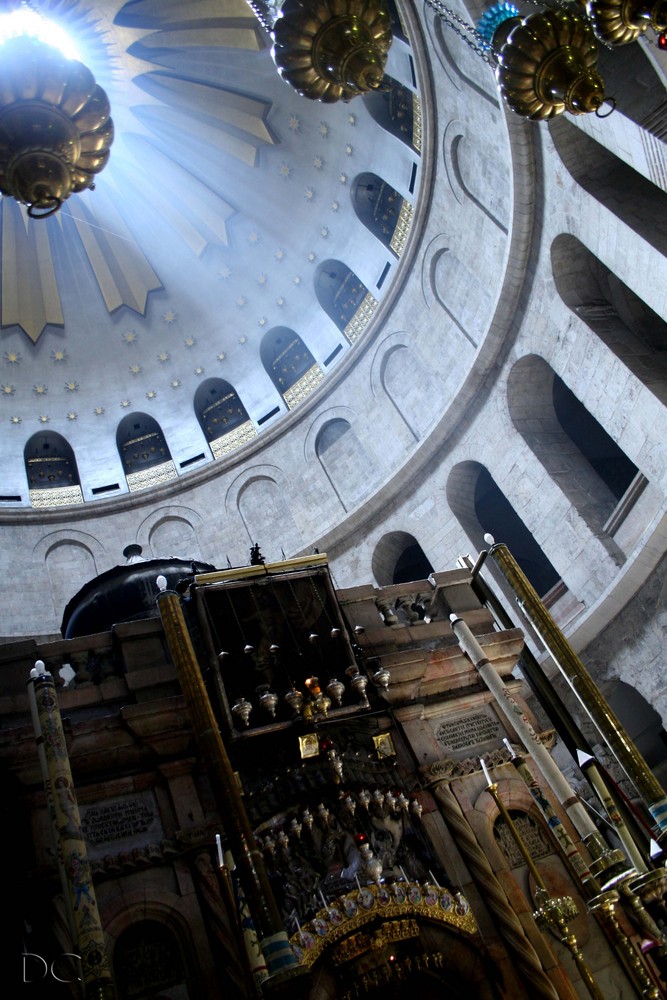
{"x": 486, "y": 772}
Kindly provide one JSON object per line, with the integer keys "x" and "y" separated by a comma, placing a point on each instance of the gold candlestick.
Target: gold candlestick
{"x": 552, "y": 913}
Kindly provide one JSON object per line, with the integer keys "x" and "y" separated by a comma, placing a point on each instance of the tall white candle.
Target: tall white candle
{"x": 434, "y": 880}
{"x": 486, "y": 772}
{"x": 218, "y": 844}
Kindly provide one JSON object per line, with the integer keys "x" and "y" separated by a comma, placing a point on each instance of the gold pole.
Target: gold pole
{"x": 551, "y": 912}
{"x": 89, "y": 934}
{"x": 583, "y": 686}
{"x": 280, "y": 959}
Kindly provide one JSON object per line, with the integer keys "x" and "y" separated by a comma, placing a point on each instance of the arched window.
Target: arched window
{"x": 574, "y": 448}
{"x": 480, "y": 507}
{"x": 148, "y": 961}
{"x": 50, "y": 465}
{"x": 616, "y": 185}
{"x": 399, "y": 558}
{"x": 289, "y": 364}
{"x": 382, "y": 210}
{"x": 143, "y": 451}
{"x": 222, "y": 416}
{"x": 344, "y": 297}
{"x": 635, "y": 334}
{"x": 397, "y": 111}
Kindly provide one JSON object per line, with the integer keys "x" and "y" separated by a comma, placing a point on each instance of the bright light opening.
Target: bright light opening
{"x": 23, "y": 22}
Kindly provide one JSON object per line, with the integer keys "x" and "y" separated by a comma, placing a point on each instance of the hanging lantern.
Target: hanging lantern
{"x": 332, "y": 50}
{"x": 268, "y": 699}
{"x": 336, "y": 689}
{"x": 242, "y": 709}
{"x": 618, "y": 22}
{"x": 358, "y": 683}
{"x": 55, "y": 129}
{"x": 547, "y": 64}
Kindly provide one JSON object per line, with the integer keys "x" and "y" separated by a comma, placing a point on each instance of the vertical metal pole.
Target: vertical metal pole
{"x": 583, "y": 686}
{"x": 89, "y": 935}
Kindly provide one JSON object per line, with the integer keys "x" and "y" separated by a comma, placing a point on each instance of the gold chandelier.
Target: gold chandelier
{"x": 55, "y": 125}
{"x": 328, "y": 50}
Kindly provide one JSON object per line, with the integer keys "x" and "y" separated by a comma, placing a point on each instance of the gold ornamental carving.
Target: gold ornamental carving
{"x": 332, "y": 50}
{"x": 400, "y": 236}
{"x": 233, "y": 439}
{"x": 146, "y": 478}
{"x": 56, "y": 496}
{"x": 303, "y": 387}
{"x": 359, "y": 944}
{"x": 398, "y": 906}
{"x": 361, "y": 318}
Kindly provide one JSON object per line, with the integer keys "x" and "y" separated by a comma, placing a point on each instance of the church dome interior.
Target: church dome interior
{"x": 339, "y": 343}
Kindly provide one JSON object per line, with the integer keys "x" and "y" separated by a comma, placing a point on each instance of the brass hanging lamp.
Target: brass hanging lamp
{"x": 55, "y": 125}
{"x": 545, "y": 63}
{"x": 328, "y": 50}
{"x": 619, "y": 22}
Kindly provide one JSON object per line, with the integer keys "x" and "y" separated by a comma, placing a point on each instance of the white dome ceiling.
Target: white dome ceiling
{"x": 224, "y": 193}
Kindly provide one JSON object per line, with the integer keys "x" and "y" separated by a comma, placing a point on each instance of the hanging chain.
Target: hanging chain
{"x": 467, "y": 32}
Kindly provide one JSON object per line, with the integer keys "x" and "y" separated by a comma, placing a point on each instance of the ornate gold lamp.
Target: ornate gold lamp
{"x": 55, "y": 125}
{"x": 328, "y": 50}
{"x": 545, "y": 63}
{"x": 618, "y": 22}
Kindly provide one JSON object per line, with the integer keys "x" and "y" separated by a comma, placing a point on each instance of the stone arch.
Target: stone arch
{"x": 259, "y": 496}
{"x": 71, "y": 559}
{"x": 447, "y": 281}
{"x": 51, "y": 469}
{"x": 642, "y": 723}
{"x": 632, "y": 78}
{"x": 289, "y": 364}
{"x": 399, "y": 558}
{"x": 480, "y": 507}
{"x": 617, "y": 186}
{"x": 222, "y": 416}
{"x": 344, "y": 461}
{"x": 579, "y": 455}
{"x": 171, "y": 531}
{"x": 378, "y": 206}
{"x": 474, "y": 177}
{"x": 635, "y": 334}
{"x": 399, "y": 372}
{"x": 144, "y": 452}
{"x": 161, "y": 907}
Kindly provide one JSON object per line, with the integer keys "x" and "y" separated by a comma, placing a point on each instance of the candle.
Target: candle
{"x": 218, "y": 844}
{"x": 405, "y": 877}
{"x": 298, "y": 926}
{"x": 434, "y": 880}
{"x": 324, "y": 902}
{"x": 486, "y": 773}
{"x": 356, "y": 879}
{"x": 509, "y": 747}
